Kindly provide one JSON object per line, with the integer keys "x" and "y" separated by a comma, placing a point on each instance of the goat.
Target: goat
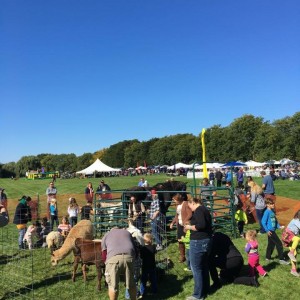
{"x": 88, "y": 252}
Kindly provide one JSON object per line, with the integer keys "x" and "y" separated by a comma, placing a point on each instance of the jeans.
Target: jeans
{"x": 199, "y": 251}
{"x": 273, "y": 240}
{"x": 187, "y": 256}
{"x": 21, "y": 236}
{"x": 155, "y": 231}
{"x": 259, "y": 215}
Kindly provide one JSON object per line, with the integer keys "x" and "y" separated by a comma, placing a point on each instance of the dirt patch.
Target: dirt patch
{"x": 286, "y": 208}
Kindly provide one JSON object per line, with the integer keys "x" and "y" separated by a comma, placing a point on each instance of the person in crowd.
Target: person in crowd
{"x": 86, "y": 211}
{"x": 268, "y": 185}
{"x": 42, "y": 232}
{"x": 186, "y": 240}
{"x": 247, "y": 187}
{"x": 73, "y": 211}
{"x": 89, "y": 193}
{"x": 228, "y": 176}
{"x": 219, "y": 176}
{"x": 51, "y": 193}
{"x": 200, "y": 243}
{"x": 21, "y": 218}
{"x": 119, "y": 252}
{"x": 207, "y": 192}
{"x": 103, "y": 190}
{"x": 141, "y": 182}
{"x": 270, "y": 224}
{"x": 240, "y": 178}
{"x": 53, "y": 213}
{"x": 136, "y": 212}
{"x": 294, "y": 228}
{"x": 147, "y": 253}
{"x": 183, "y": 215}
{"x": 4, "y": 217}
{"x": 253, "y": 257}
{"x": 258, "y": 200}
{"x": 225, "y": 256}
{"x": 211, "y": 177}
{"x": 241, "y": 218}
{"x": 3, "y": 198}
{"x": 64, "y": 227}
{"x": 154, "y": 214}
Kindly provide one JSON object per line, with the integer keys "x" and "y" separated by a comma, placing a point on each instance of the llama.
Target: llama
{"x": 88, "y": 252}
{"x": 54, "y": 240}
{"x": 83, "y": 229}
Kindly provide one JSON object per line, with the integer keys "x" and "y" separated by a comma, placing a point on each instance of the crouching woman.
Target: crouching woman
{"x": 200, "y": 244}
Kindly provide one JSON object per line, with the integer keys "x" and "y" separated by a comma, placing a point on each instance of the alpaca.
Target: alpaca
{"x": 135, "y": 232}
{"x": 83, "y": 229}
{"x": 88, "y": 252}
{"x": 54, "y": 240}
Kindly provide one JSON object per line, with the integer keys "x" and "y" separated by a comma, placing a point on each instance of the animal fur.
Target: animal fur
{"x": 135, "y": 232}
{"x": 83, "y": 229}
{"x": 88, "y": 252}
{"x": 54, "y": 240}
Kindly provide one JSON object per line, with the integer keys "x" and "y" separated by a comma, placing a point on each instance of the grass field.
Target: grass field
{"x": 29, "y": 274}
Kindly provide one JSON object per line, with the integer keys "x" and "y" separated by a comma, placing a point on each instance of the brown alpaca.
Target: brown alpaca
{"x": 83, "y": 229}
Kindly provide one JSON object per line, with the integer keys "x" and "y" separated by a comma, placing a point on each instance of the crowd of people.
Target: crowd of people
{"x": 203, "y": 250}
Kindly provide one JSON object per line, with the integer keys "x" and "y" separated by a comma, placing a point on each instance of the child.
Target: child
{"x": 270, "y": 224}
{"x": 86, "y": 211}
{"x": 148, "y": 265}
{"x": 31, "y": 232}
{"x": 294, "y": 227}
{"x": 186, "y": 240}
{"x": 42, "y": 232}
{"x": 241, "y": 218}
{"x": 73, "y": 210}
{"x": 64, "y": 228}
{"x": 253, "y": 256}
{"x": 53, "y": 213}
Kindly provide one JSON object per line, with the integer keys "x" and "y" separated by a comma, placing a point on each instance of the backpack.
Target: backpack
{"x": 286, "y": 237}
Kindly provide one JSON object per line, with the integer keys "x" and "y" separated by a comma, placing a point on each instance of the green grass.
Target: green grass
{"x": 20, "y": 279}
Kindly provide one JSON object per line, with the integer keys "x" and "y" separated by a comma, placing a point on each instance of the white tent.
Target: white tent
{"x": 253, "y": 164}
{"x": 179, "y": 165}
{"x": 208, "y": 166}
{"x": 97, "y": 166}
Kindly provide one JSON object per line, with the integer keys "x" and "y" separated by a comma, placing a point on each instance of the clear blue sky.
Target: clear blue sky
{"x": 78, "y": 76}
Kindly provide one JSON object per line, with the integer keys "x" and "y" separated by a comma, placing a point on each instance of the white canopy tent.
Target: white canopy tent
{"x": 208, "y": 166}
{"x": 253, "y": 164}
{"x": 97, "y": 166}
{"x": 179, "y": 165}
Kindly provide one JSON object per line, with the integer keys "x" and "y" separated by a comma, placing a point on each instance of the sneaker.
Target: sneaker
{"x": 295, "y": 273}
{"x": 140, "y": 297}
{"x": 283, "y": 262}
{"x": 292, "y": 256}
{"x": 265, "y": 274}
{"x": 268, "y": 259}
{"x": 193, "y": 298}
{"x": 187, "y": 269}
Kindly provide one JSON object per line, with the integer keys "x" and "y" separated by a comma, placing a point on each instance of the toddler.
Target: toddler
{"x": 186, "y": 240}
{"x": 53, "y": 213}
{"x": 241, "y": 218}
{"x": 253, "y": 256}
{"x": 31, "y": 232}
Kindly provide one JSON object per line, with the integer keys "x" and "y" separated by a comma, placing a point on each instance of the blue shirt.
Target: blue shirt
{"x": 269, "y": 185}
{"x": 269, "y": 220}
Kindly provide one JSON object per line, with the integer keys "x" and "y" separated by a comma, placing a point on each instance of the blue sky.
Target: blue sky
{"x": 79, "y": 76}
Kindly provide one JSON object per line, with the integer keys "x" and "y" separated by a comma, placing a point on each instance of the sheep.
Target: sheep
{"x": 88, "y": 252}
{"x": 54, "y": 240}
{"x": 83, "y": 229}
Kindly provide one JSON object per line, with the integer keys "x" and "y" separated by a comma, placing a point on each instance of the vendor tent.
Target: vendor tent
{"x": 97, "y": 166}
{"x": 179, "y": 165}
{"x": 253, "y": 164}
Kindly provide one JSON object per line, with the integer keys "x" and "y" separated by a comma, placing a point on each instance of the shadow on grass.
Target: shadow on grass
{"x": 5, "y": 259}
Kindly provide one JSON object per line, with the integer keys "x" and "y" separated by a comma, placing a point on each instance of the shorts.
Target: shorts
{"x": 122, "y": 264}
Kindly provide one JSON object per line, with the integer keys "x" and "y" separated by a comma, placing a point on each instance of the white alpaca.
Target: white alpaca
{"x": 54, "y": 240}
{"x": 135, "y": 232}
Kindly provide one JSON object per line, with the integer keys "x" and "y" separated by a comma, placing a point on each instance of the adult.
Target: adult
{"x": 89, "y": 193}
{"x": 4, "y": 218}
{"x": 219, "y": 176}
{"x": 226, "y": 257}
{"x": 200, "y": 243}
{"x": 211, "y": 177}
{"x": 183, "y": 215}
{"x": 3, "y": 198}
{"x": 136, "y": 212}
{"x": 268, "y": 185}
{"x": 207, "y": 192}
{"x": 257, "y": 198}
{"x": 120, "y": 250}
{"x": 155, "y": 217}
{"x": 21, "y": 218}
{"x": 247, "y": 187}
{"x": 228, "y": 175}
{"x": 51, "y": 192}
{"x": 141, "y": 182}
{"x": 240, "y": 178}
{"x": 102, "y": 190}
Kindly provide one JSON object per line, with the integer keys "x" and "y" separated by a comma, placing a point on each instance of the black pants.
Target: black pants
{"x": 274, "y": 241}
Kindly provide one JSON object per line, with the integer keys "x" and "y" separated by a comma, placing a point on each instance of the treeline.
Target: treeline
{"x": 246, "y": 138}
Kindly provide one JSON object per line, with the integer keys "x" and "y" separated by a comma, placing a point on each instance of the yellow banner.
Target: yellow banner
{"x": 205, "y": 174}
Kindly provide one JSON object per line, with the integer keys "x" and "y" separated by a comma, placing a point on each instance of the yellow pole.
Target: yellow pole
{"x": 205, "y": 174}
